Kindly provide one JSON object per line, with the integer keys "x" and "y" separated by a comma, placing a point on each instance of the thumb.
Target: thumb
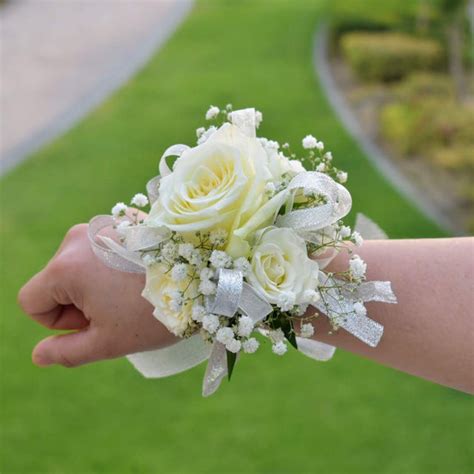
{"x": 70, "y": 350}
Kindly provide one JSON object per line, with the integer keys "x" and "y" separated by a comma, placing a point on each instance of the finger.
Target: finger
{"x": 36, "y": 296}
{"x": 69, "y": 317}
{"x": 69, "y": 350}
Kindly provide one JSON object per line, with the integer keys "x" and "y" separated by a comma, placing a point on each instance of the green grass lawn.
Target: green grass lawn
{"x": 278, "y": 415}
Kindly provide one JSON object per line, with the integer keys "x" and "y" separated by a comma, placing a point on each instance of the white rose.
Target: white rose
{"x": 280, "y": 266}
{"x": 219, "y": 184}
{"x": 161, "y": 290}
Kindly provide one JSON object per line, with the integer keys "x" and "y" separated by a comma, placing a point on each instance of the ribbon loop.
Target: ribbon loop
{"x": 338, "y": 203}
{"x": 112, "y": 254}
{"x": 174, "y": 150}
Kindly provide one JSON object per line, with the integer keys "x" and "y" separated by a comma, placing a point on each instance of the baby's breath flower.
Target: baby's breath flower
{"x": 218, "y": 236}
{"x": 250, "y": 345}
{"x": 286, "y": 300}
{"x": 179, "y": 272}
{"x": 276, "y": 335}
{"x": 220, "y": 259}
{"x": 210, "y": 323}
{"x": 200, "y": 131}
{"x": 225, "y": 335}
{"x": 185, "y": 250}
{"x": 234, "y": 346}
{"x": 169, "y": 250}
{"x": 269, "y": 144}
{"x": 285, "y": 145}
{"x": 243, "y": 265}
{"x": 139, "y": 200}
{"x": 357, "y": 238}
{"x": 279, "y": 348}
{"x": 360, "y": 309}
{"x": 344, "y": 232}
{"x": 309, "y": 142}
{"x": 119, "y": 209}
{"x": 245, "y": 326}
{"x": 301, "y": 309}
{"x": 195, "y": 258}
{"x": 320, "y": 146}
{"x": 212, "y": 113}
{"x": 357, "y": 267}
{"x": 311, "y": 296}
{"x": 306, "y": 330}
{"x": 206, "y": 273}
{"x": 176, "y": 300}
{"x": 328, "y": 156}
{"x": 321, "y": 167}
{"x": 198, "y": 312}
{"x": 207, "y": 287}
{"x": 206, "y": 134}
{"x": 341, "y": 176}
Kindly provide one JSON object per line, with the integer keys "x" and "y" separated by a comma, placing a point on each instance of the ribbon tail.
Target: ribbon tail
{"x": 314, "y": 349}
{"x": 216, "y": 369}
{"x": 179, "y": 357}
{"x": 380, "y": 291}
{"x": 252, "y": 305}
{"x": 365, "y": 329}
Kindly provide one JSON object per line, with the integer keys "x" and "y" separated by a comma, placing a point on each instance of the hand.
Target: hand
{"x": 102, "y": 306}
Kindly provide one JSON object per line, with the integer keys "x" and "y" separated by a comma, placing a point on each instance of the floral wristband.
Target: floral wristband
{"x": 236, "y": 244}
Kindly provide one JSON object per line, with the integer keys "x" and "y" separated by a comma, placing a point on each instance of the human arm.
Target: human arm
{"x": 430, "y": 332}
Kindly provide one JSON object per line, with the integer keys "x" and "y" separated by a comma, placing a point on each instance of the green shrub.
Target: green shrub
{"x": 416, "y": 127}
{"x": 457, "y": 157}
{"x": 397, "y": 122}
{"x": 389, "y": 56}
{"x": 422, "y": 85}
{"x": 371, "y": 15}
{"x": 425, "y": 119}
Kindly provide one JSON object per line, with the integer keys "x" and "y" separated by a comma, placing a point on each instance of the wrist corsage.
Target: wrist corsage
{"x": 236, "y": 245}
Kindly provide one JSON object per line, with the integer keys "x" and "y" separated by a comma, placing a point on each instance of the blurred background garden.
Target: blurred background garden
{"x": 405, "y": 71}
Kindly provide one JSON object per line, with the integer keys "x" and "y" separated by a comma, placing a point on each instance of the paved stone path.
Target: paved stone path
{"x": 61, "y": 58}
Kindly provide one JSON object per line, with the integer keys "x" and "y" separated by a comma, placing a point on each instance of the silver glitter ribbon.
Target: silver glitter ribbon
{"x": 338, "y": 306}
{"x": 338, "y": 203}
{"x": 232, "y": 295}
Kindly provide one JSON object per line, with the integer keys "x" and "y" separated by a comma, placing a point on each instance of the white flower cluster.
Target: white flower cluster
{"x": 238, "y": 231}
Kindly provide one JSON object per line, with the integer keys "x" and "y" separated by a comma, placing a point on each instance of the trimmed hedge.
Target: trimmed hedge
{"x": 428, "y": 124}
{"x": 389, "y": 56}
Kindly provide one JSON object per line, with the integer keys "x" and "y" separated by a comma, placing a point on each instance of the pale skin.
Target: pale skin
{"x": 429, "y": 333}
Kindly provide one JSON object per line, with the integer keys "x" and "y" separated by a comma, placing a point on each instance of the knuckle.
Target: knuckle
{"x": 76, "y": 231}
{"x": 60, "y": 265}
